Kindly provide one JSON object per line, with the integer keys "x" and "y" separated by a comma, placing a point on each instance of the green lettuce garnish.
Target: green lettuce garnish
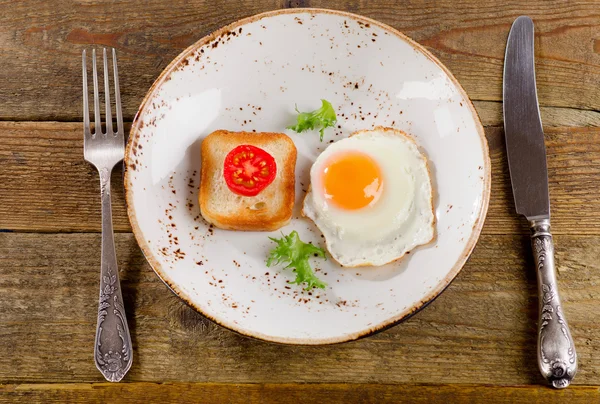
{"x": 323, "y": 117}
{"x": 295, "y": 253}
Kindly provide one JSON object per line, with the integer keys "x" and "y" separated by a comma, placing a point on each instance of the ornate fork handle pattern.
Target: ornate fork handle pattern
{"x": 112, "y": 345}
{"x": 557, "y": 358}
{"x": 112, "y": 349}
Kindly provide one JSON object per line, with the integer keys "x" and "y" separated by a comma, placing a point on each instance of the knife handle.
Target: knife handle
{"x": 556, "y": 354}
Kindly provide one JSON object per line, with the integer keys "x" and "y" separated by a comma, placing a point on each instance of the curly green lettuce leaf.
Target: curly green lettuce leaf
{"x": 295, "y": 253}
{"x": 323, "y": 117}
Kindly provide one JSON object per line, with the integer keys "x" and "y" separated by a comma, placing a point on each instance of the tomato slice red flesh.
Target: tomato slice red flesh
{"x": 248, "y": 170}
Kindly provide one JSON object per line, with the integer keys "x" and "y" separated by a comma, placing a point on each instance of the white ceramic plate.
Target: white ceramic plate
{"x": 248, "y": 76}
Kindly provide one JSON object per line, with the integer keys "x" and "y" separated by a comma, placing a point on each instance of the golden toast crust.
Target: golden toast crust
{"x": 243, "y": 216}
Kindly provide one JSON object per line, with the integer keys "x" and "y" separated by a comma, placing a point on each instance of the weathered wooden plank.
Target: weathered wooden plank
{"x": 490, "y": 113}
{"x": 482, "y": 330}
{"x": 211, "y": 393}
{"x": 45, "y": 185}
{"x": 42, "y": 43}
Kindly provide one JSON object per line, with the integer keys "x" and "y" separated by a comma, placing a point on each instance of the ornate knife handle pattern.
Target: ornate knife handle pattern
{"x": 557, "y": 358}
{"x": 112, "y": 348}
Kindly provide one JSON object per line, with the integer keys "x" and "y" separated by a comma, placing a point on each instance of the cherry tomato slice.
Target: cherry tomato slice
{"x": 248, "y": 170}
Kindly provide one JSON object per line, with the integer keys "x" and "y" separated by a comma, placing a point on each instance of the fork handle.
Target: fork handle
{"x": 557, "y": 358}
{"x": 112, "y": 349}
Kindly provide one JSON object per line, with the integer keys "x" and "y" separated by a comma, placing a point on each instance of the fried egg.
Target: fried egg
{"x": 371, "y": 197}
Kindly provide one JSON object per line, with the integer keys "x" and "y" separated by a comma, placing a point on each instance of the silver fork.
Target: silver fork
{"x": 112, "y": 347}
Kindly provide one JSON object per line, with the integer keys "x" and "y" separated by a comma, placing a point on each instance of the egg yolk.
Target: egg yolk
{"x": 352, "y": 180}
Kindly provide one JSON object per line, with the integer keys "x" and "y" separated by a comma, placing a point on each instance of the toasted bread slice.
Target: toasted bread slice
{"x": 267, "y": 211}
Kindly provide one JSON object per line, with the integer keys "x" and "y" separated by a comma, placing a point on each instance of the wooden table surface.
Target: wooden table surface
{"x": 475, "y": 343}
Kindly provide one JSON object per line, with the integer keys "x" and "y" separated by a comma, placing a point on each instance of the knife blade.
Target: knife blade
{"x": 526, "y": 151}
{"x": 523, "y": 125}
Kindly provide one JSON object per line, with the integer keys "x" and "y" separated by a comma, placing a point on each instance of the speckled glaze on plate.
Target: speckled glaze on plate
{"x": 249, "y": 76}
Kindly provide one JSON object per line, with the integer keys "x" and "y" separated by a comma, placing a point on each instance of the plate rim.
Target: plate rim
{"x": 403, "y": 315}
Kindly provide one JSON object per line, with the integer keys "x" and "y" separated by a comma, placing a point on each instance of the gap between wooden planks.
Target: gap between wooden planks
{"x": 469, "y": 37}
{"x": 212, "y": 393}
{"x": 48, "y": 187}
{"x": 481, "y": 330}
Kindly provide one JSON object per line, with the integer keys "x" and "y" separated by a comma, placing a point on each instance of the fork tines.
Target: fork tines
{"x": 97, "y": 117}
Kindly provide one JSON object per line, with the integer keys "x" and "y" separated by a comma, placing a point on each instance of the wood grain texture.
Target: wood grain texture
{"x": 45, "y": 183}
{"x": 47, "y": 186}
{"x": 210, "y": 393}
{"x": 476, "y": 341}
{"x": 490, "y": 114}
{"x": 481, "y": 330}
{"x": 42, "y": 43}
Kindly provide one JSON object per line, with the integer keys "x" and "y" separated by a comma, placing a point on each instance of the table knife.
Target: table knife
{"x": 557, "y": 359}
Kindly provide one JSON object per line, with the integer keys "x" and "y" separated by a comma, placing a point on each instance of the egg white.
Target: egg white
{"x": 401, "y": 219}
